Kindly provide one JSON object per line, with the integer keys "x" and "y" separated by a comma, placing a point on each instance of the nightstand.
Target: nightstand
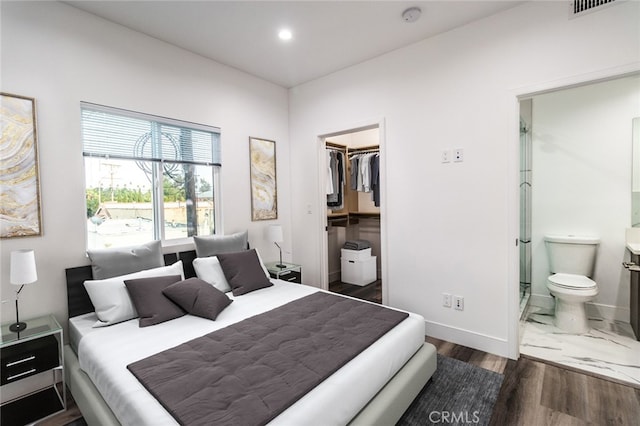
{"x": 288, "y": 272}
{"x": 38, "y": 349}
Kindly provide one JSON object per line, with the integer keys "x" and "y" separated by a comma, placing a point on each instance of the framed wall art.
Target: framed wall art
{"x": 19, "y": 177}
{"x": 264, "y": 199}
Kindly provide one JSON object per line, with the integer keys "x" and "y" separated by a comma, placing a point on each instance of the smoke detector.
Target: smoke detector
{"x": 412, "y": 14}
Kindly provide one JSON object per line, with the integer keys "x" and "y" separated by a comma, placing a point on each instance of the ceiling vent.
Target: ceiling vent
{"x": 582, "y": 7}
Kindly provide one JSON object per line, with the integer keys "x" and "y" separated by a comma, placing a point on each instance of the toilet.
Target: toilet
{"x": 571, "y": 262}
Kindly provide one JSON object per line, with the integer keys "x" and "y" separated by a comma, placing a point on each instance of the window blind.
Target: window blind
{"x": 117, "y": 133}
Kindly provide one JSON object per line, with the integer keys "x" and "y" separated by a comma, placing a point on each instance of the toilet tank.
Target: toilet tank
{"x": 570, "y": 254}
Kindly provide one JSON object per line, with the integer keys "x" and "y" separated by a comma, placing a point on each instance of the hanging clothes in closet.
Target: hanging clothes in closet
{"x": 365, "y": 174}
{"x": 335, "y": 179}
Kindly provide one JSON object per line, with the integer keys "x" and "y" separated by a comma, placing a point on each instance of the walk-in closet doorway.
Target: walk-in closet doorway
{"x": 351, "y": 173}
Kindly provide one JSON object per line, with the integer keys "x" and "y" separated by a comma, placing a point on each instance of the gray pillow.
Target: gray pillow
{"x": 243, "y": 271}
{"x": 198, "y": 297}
{"x": 213, "y": 245}
{"x": 107, "y": 263}
{"x": 152, "y": 305}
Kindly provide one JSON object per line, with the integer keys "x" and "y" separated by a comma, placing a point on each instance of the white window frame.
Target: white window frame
{"x": 157, "y": 167}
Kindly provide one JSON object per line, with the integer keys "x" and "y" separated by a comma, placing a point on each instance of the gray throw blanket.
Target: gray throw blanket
{"x": 356, "y": 244}
{"x": 251, "y": 371}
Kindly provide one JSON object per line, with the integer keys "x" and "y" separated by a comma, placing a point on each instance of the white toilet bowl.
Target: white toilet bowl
{"x": 571, "y": 292}
{"x": 571, "y": 261}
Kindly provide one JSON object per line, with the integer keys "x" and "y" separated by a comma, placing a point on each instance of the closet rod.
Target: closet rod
{"x": 364, "y": 149}
{"x": 330, "y": 148}
{"x": 369, "y": 151}
{"x": 333, "y": 145}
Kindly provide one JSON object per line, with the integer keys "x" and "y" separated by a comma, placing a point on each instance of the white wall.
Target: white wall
{"x": 582, "y": 181}
{"x": 448, "y": 224}
{"x": 61, "y": 56}
{"x": 451, "y": 226}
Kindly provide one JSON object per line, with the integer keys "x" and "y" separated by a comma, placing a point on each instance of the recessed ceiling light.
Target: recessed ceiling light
{"x": 285, "y": 34}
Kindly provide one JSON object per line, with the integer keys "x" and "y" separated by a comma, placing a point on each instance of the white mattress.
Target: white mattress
{"x": 105, "y": 352}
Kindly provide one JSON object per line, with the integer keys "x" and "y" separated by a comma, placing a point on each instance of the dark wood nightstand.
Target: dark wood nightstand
{"x": 37, "y": 349}
{"x": 287, "y": 272}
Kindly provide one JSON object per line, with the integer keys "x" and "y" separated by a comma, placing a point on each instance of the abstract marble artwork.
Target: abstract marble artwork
{"x": 609, "y": 349}
{"x": 264, "y": 200}
{"x": 19, "y": 184}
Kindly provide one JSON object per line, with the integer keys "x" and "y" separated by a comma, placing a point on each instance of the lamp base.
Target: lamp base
{"x": 17, "y": 327}
{"x": 280, "y": 265}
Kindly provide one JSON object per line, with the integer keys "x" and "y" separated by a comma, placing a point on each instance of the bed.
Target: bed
{"x": 375, "y": 387}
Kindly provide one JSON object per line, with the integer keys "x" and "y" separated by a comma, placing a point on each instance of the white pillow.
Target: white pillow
{"x": 208, "y": 269}
{"x": 111, "y": 299}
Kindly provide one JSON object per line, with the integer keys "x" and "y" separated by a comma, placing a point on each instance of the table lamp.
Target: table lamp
{"x": 275, "y": 236}
{"x": 23, "y": 271}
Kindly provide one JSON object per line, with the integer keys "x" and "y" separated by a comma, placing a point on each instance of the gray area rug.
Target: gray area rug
{"x": 458, "y": 394}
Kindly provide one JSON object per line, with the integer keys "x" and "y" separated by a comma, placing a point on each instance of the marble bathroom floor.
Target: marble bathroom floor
{"x": 609, "y": 349}
{"x": 525, "y": 294}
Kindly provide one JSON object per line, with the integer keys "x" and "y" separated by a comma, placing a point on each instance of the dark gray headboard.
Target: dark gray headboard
{"x": 77, "y": 297}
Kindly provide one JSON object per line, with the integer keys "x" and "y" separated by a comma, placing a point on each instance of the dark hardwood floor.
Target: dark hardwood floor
{"x": 371, "y": 292}
{"x": 533, "y": 393}
{"x": 536, "y": 393}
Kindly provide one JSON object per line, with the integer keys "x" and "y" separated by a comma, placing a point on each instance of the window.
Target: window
{"x": 147, "y": 177}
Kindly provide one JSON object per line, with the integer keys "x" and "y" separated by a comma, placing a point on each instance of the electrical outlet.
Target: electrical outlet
{"x": 446, "y": 300}
{"x": 458, "y": 155}
{"x": 445, "y": 157}
{"x": 458, "y": 303}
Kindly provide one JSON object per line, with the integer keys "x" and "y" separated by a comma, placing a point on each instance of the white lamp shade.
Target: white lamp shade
{"x": 275, "y": 234}
{"x": 23, "y": 267}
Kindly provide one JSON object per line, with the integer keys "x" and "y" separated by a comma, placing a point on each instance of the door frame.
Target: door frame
{"x": 378, "y": 123}
{"x": 516, "y": 95}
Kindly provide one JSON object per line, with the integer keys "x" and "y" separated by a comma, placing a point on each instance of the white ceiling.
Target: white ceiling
{"x": 327, "y": 35}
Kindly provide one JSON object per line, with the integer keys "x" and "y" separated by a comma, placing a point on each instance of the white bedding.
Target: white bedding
{"x": 105, "y": 352}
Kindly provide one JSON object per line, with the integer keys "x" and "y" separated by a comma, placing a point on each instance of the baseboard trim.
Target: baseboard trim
{"x": 594, "y": 310}
{"x": 541, "y": 301}
{"x": 459, "y": 336}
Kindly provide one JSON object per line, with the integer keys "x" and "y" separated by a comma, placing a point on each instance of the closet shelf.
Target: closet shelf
{"x": 347, "y": 214}
{"x": 337, "y": 215}
{"x": 351, "y": 218}
{"x": 365, "y": 214}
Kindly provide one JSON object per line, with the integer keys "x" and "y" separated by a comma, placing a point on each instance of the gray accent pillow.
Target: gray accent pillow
{"x": 152, "y": 305}
{"x": 243, "y": 271}
{"x": 213, "y": 245}
{"x": 198, "y": 297}
{"x": 111, "y": 298}
{"x": 107, "y": 263}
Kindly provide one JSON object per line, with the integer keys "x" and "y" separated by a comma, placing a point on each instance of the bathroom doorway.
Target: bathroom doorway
{"x": 576, "y": 153}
